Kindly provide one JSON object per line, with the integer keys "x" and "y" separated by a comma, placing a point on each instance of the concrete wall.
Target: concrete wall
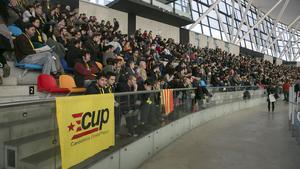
{"x": 158, "y": 28}
{"x": 104, "y": 13}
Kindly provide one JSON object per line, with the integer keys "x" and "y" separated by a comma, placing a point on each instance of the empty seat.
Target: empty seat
{"x": 66, "y": 66}
{"x": 47, "y": 83}
{"x": 99, "y": 65}
{"x": 67, "y": 81}
{"x": 28, "y": 67}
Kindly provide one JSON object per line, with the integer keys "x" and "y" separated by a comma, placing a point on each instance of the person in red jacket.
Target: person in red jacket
{"x": 286, "y": 88}
{"x": 85, "y": 70}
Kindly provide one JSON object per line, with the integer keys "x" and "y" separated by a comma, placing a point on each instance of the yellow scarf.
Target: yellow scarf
{"x": 29, "y": 40}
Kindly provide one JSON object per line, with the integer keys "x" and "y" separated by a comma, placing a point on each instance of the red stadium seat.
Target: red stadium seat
{"x": 47, "y": 83}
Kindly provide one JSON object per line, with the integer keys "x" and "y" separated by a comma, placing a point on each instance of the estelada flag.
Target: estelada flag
{"x": 167, "y": 100}
{"x": 86, "y": 126}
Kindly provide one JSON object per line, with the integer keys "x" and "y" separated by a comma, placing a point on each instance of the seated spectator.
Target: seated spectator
{"x": 93, "y": 45}
{"x": 110, "y": 67}
{"x": 25, "y": 52}
{"x": 117, "y": 48}
{"x": 51, "y": 41}
{"x": 85, "y": 70}
{"x": 128, "y": 104}
{"x": 37, "y": 39}
{"x": 40, "y": 14}
{"x": 28, "y": 13}
{"x": 141, "y": 71}
{"x": 74, "y": 52}
{"x": 98, "y": 86}
{"x": 147, "y": 105}
{"x": 5, "y": 39}
{"x": 109, "y": 53}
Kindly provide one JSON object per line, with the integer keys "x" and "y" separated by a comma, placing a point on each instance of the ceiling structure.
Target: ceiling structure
{"x": 291, "y": 12}
{"x": 270, "y": 27}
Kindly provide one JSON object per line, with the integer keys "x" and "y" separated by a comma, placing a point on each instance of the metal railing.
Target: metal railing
{"x": 29, "y": 128}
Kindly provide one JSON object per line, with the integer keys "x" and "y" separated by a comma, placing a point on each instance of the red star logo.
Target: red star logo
{"x": 71, "y": 126}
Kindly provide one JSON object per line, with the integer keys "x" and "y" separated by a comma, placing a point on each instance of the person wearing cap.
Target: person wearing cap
{"x": 98, "y": 86}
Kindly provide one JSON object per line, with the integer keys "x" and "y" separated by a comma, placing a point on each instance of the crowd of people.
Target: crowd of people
{"x": 93, "y": 48}
{"x": 105, "y": 60}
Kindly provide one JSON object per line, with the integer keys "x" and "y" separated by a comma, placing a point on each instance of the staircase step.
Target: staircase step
{"x": 15, "y": 77}
{"x": 32, "y": 144}
{"x": 18, "y": 90}
{"x": 27, "y": 127}
{"x": 17, "y": 113}
{"x": 48, "y": 159}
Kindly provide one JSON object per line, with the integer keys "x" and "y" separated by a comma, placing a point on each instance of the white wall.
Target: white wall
{"x": 104, "y": 13}
{"x": 220, "y": 44}
{"x": 158, "y": 28}
{"x": 278, "y": 61}
{"x": 211, "y": 43}
{"x": 234, "y": 49}
{"x": 205, "y": 41}
{"x": 268, "y": 58}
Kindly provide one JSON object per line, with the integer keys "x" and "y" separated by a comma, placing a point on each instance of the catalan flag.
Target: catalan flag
{"x": 167, "y": 100}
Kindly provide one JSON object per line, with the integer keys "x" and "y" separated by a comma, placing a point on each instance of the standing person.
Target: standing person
{"x": 271, "y": 93}
{"x": 5, "y": 38}
{"x": 128, "y": 104}
{"x": 286, "y": 88}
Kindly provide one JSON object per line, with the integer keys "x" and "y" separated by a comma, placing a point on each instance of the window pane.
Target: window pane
{"x": 214, "y": 23}
{"x": 222, "y": 7}
{"x": 195, "y": 15}
{"x": 216, "y": 33}
{"x": 204, "y": 21}
{"x": 194, "y": 6}
{"x": 206, "y": 30}
{"x": 212, "y": 14}
{"x": 197, "y": 28}
{"x": 248, "y": 45}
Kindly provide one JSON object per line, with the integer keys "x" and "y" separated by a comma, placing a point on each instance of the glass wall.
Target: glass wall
{"x": 258, "y": 39}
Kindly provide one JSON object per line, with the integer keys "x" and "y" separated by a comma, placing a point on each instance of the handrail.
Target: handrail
{"x": 47, "y": 100}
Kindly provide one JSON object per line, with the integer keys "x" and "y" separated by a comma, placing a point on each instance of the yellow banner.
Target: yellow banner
{"x": 86, "y": 126}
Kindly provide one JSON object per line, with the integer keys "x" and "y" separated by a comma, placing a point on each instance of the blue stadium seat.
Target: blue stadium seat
{"x": 16, "y": 31}
{"x": 66, "y": 66}
{"x": 28, "y": 67}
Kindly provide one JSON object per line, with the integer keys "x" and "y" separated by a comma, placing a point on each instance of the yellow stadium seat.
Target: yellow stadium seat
{"x": 100, "y": 66}
{"x": 67, "y": 81}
